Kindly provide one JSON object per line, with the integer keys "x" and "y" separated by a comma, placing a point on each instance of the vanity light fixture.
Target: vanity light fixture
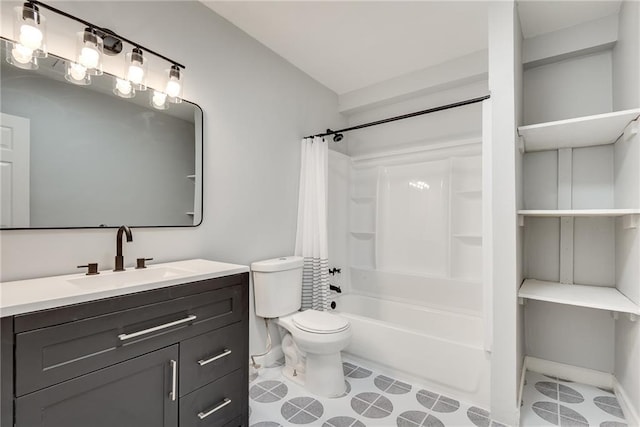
{"x": 29, "y": 33}
{"x": 29, "y": 44}
{"x": 174, "y": 84}
{"x": 89, "y": 51}
{"x": 136, "y": 69}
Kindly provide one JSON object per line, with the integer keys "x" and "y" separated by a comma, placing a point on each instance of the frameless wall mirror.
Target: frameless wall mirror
{"x": 80, "y": 157}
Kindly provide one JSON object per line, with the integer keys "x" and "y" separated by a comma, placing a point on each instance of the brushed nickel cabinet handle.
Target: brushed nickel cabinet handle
{"x": 174, "y": 380}
{"x": 224, "y": 353}
{"x": 124, "y": 337}
{"x": 203, "y": 415}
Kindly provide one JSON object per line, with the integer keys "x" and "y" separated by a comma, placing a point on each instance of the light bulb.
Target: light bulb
{"x": 135, "y": 74}
{"x": 173, "y": 87}
{"x": 89, "y": 57}
{"x": 159, "y": 99}
{"x": 21, "y": 54}
{"x": 123, "y": 86}
{"x": 77, "y": 71}
{"x": 30, "y": 36}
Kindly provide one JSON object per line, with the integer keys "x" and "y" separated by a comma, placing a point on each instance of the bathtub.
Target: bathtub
{"x": 440, "y": 349}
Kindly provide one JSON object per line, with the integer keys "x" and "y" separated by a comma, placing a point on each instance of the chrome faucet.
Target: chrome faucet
{"x": 119, "y": 257}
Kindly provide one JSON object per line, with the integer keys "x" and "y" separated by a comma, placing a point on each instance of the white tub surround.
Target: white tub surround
{"x": 24, "y": 296}
{"x": 441, "y": 348}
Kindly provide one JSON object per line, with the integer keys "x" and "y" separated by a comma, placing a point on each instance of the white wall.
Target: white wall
{"x": 626, "y": 58}
{"x": 256, "y": 108}
{"x": 338, "y": 218}
{"x": 570, "y": 88}
{"x": 500, "y": 153}
{"x": 626, "y": 94}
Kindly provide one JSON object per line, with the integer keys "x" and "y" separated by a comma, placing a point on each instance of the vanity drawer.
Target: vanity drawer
{"x": 212, "y": 355}
{"x": 216, "y": 404}
{"x": 54, "y": 354}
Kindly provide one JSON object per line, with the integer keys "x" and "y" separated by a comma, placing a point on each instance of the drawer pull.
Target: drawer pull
{"x": 174, "y": 380}
{"x": 124, "y": 337}
{"x": 224, "y": 353}
{"x": 203, "y": 415}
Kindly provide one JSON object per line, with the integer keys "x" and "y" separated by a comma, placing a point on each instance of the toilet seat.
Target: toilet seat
{"x": 319, "y": 322}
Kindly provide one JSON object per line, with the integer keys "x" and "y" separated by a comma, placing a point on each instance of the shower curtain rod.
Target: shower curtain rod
{"x": 404, "y": 116}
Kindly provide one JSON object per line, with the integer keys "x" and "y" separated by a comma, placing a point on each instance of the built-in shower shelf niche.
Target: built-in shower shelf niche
{"x": 470, "y": 238}
{"x": 363, "y": 234}
{"x": 599, "y": 129}
{"x": 363, "y": 199}
{"x": 597, "y": 297}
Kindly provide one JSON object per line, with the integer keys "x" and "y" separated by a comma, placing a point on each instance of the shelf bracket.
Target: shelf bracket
{"x": 631, "y": 130}
{"x": 615, "y": 315}
{"x": 630, "y": 221}
{"x": 521, "y": 220}
{"x": 522, "y": 301}
{"x": 520, "y": 143}
{"x": 633, "y": 317}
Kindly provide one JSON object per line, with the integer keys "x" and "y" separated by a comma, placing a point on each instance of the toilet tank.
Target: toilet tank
{"x": 277, "y": 286}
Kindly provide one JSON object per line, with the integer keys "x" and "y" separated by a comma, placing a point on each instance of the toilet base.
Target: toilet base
{"x": 324, "y": 375}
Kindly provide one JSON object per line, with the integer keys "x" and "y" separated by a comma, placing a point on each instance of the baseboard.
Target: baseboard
{"x": 625, "y": 403}
{"x": 570, "y": 372}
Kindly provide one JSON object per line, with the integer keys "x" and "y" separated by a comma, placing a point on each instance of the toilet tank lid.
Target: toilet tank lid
{"x": 278, "y": 264}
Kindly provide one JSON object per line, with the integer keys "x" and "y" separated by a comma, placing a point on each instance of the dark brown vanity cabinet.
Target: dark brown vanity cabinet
{"x": 176, "y": 356}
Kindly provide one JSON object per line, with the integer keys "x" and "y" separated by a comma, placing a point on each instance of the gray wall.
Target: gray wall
{"x": 256, "y": 108}
{"x": 99, "y": 159}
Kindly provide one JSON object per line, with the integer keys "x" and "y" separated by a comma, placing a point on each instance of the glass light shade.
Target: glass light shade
{"x": 77, "y": 74}
{"x": 30, "y": 30}
{"x": 89, "y": 48}
{"x": 20, "y": 56}
{"x": 158, "y": 100}
{"x": 136, "y": 69}
{"x": 175, "y": 84}
{"x": 123, "y": 88}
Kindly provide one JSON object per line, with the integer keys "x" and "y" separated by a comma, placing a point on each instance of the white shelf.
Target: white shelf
{"x": 363, "y": 199}
{"x": 580, "y": 212}
{"x": 603, "y": 298}
{"x": 586, "y": 131}
{"x": 473, "y": 237}
{"x": 363, "y": 234}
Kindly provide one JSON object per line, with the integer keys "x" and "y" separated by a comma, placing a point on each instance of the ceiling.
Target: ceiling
{"x": 348, "y": 45}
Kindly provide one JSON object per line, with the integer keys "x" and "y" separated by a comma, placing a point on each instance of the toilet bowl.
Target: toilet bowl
{"x": 312, "y": 339}
{"x": 312, "y": 356}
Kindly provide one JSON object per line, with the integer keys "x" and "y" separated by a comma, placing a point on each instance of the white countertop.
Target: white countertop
{"x": 23, "y": 296}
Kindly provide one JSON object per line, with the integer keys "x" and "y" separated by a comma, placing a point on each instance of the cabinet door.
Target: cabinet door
{"x": 135, "y": 393}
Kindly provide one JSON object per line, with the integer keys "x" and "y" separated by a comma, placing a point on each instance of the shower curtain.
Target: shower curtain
{"x": 311, "y": 234}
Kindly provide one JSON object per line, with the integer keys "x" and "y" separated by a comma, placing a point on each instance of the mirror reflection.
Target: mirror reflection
{"x": 80, "y": 156}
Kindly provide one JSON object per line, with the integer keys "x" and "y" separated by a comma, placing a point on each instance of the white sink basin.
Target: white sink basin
{"x": 131, "y": 277}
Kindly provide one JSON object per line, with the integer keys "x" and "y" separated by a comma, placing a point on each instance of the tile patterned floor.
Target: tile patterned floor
{"x": 551, "y": 401}
{"x": 371, "y": 399}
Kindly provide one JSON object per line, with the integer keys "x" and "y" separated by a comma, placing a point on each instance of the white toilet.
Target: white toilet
{"x": 314, "y": 339}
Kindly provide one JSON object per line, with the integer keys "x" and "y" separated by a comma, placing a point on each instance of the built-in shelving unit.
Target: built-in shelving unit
{"x": 586, "y": 131}
{"x": 600, "y": 297}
